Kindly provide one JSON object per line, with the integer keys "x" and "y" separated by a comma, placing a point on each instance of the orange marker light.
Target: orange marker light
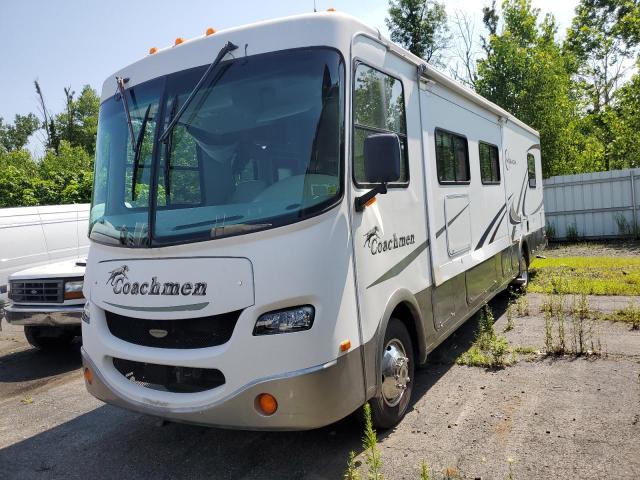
{"x": 210, "y": 31}
{"x": 331, "y": 9}
{"x": 346, "y": 345}
{"x": 266, "y": 403}
{"x": 88, "y": 375}
{"x": 178, "y": 41}
{"x": 370, "y": 202}
{"x": 152, "y": 50}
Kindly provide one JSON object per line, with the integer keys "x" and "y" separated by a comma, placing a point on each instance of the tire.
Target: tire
{"x": 391, "y": 403}
{"x": 521, "y": 282}
{"x": 49, "y": 338}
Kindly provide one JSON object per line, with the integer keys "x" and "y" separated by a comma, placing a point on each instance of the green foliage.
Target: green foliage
{"x": 351, "y": 473}
{"x": 15, "y": 137}
{"x": 424, "y": 471}
{"x": 420, "y": 26}
{"x": 488, "y": 350}
{"x": 572, "y": 232}
{"x": 370, "y": 445}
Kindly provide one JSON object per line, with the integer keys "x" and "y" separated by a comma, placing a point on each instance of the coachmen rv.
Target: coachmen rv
{"x": 288, "y": 217}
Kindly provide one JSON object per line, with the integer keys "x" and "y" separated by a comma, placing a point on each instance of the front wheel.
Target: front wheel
{"x": 49, "y": 338}
{"x": 397, "y": 371}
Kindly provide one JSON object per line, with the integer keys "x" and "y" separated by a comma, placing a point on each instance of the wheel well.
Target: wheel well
{"x": 405, "y": 314}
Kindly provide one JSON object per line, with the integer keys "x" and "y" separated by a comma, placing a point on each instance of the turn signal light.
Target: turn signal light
{"x": 346, "y": 345}
{"x": 266, "y": 404}
{"x": 178, "y": 41}
{"x": 152, "y": 50}
{"x": 88, "y": 375}
{"x": 331, "y": 9}
{"x": 210, "y": 31}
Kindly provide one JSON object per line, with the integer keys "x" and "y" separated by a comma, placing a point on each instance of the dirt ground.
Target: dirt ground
{"x": 613, "y": 248}
{"x": 558, "y": 417}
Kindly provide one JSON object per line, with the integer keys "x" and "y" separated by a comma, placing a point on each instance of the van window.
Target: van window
{"x": 452, "y": 158}
{"x": 489, "y": 164}
{"x": 531, "y": 166}
{"x": 378, "y": 107}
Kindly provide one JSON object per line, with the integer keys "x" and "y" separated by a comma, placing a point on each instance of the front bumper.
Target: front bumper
{"x": 53, "y": 316}
{"x": 307, "y": 399}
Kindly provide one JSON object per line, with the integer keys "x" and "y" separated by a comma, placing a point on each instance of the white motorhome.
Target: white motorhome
{"x": 288, "y": 217}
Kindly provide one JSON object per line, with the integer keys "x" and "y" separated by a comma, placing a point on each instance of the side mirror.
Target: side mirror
{"x": 381, "y": 165}
{"x": 382, "y": 158}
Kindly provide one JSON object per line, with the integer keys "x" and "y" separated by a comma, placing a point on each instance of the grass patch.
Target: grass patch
{"x": 586, "y": 275}
{"x": 488, "y": 350}
{"x": 629, "y": 314}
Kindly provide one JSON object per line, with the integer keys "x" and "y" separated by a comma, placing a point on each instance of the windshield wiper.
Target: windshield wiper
{"x": 136, "y": 152}
{"x": 237, "y": 228}
{"x": 229, "y": 47}
{"x": 121, "y": 81}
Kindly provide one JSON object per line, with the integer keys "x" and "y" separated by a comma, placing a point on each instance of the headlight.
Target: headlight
{"x": 73, "y": 290}
{"x": 285, "y": 321}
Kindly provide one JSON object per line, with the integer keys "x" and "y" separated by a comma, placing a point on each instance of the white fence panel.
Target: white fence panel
{"x": 593, "y": 205}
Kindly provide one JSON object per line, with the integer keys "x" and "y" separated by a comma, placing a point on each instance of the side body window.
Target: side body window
{"x": 378, "y": 107}
{"x": 531, "y": 167}
{"x": 489, "y": 164}
{"x": 452, "y": 158}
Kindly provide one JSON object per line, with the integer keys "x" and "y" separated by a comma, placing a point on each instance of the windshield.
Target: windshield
{"x": 260, "y": 146}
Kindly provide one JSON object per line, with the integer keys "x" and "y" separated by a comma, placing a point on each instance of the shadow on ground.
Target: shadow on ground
{"x": 33, "y": 364}
{"x": 108, "y": 442}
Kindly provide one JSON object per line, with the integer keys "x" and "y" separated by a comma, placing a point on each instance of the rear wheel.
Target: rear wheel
{"x": 522, "y": 280}
{"x": 49, "y": 338}
{"x": 397, "y": 371}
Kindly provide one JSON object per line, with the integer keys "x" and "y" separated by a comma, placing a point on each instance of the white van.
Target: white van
{"x": 288, "y": 217}
{"x": 32, "y": 236}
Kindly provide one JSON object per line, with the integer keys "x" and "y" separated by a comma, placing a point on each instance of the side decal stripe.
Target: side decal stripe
{"x": 441, "y": 231}
{"x": 402, "y": 264}
{"x": 486, "y": 232}
{"x": 175, "y": 308}
{"x": 495, "y": 232}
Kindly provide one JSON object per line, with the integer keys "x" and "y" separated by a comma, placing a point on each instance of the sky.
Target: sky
{"x": 76, "y": 42}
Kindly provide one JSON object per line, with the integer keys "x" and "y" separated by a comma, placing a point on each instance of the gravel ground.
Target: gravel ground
{"x": 613, "y": 248}
{"x": 560, "y": 417}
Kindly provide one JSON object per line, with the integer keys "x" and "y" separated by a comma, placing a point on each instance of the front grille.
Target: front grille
{"x": 37, "y": 291}
{"x": 168, "y": 377}
{"x": 198, "y": 332}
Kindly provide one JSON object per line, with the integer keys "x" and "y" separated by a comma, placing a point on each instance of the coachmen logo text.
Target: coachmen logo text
{"x": 374, "y": 241}
{"x": 119, "y": 280}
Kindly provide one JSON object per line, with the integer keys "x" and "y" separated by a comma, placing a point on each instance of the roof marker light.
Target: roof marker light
{"x": 331, "y": 9}
{"x": 178, "y": 41}
{"x": 152, "y": 50}
{"x": 210, "y": 31}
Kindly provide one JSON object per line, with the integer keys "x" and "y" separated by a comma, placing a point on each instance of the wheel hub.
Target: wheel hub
{"x": 395, "y": 373}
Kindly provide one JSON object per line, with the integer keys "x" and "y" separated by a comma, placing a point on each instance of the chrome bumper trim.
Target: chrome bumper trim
{"x": 53, "y": 316}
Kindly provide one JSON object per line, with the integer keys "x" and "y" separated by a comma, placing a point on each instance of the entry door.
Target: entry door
{"x": 390, "y": 237}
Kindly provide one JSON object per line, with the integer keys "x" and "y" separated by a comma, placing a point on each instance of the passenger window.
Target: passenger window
{"x": 489, "y": 164}
{"x": 452, "y": 158}
{"x": 378, "y": 107}
{"x": 531, "y": 166}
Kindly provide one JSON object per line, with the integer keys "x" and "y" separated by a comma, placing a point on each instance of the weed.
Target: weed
{"x": 370, "y": 445}
{"x": 629, "y": 314}
{"x": 351, "y": 473}
{"x": 625, "y": 228}
{"x": 580, "y": 314}
{"x": 522, "y": 306}
{"x": 510, "y": 324}
{"x": 424, "y": 471}
{"x": 572, "y": 232}
{"x": 561, "y": 348}
{"x": 548, "y": 332}
{"x": 510, "y": 475}
{"x": 550, "y": 231}
{"x": 488, "y": 350}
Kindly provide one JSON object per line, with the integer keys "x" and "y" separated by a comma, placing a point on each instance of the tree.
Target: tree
{"x": 420, "y": 26}
{"x": 14, "y": 137}
{"x": 78, "y": 124}
{"x": 527, "y": 73}
{"x": 464, "y": 49}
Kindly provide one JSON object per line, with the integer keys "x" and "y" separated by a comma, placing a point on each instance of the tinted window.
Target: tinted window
{"x": 378, "y": 102}
{"x": 531, "y": 166}
{"x": 452, "y": 158}
{"x": 489, "y": 163}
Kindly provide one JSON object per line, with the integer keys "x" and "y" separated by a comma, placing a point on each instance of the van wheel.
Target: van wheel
{"x": 521, "y": 282}
{"x": 397, "y": 370}
{"x": 49, "y": 338}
